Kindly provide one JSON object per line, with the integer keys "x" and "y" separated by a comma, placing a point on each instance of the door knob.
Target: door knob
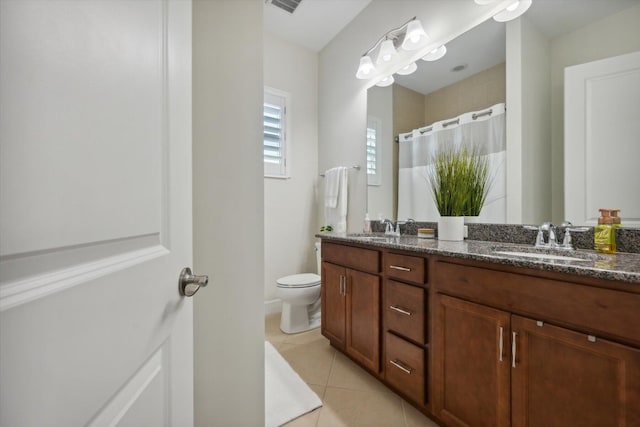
{"x": 189, "y": 283}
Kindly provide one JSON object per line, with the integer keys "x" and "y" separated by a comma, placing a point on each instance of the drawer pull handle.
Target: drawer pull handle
{"x": 513, "y": 350}
{"x": 400, "y": 310}
{"x": 400, "y": 366}
{"x": 397, "y": 267}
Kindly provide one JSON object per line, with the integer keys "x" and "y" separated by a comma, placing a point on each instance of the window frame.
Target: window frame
{"x": 282, "y": 170}
{"x": 376, "y": 124}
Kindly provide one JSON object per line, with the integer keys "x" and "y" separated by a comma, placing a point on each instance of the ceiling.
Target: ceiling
{"x": 316, "y": 22}
{"x": 484, "y": 46}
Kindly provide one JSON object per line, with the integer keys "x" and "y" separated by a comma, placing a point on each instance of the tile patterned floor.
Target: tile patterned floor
{"x": 351, "y": 397}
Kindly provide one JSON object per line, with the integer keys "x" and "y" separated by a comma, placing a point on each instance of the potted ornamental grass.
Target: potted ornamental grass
{"x": 459, "y": 180}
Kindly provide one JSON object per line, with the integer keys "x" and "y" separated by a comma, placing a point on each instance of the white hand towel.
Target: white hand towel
{"x": 332, "y": 186}
{"x": 337, "y": 216}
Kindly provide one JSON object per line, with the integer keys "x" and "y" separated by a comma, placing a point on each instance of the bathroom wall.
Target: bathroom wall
{"x": 612, "y": 36}
{"x": 528, "y": 124}
{"x": 478, "y": 91}
{"x": 380, "y": 106}
{"x": 228, "y": 191}
{"x": 343, "y": 100}
{"x": 290, "y": 214}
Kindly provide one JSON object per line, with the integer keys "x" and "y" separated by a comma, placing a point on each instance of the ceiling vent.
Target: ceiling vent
{"x": 286, "y": 5}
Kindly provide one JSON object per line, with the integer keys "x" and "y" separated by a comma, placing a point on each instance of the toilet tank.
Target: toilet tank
{"x": 318, "y": 258}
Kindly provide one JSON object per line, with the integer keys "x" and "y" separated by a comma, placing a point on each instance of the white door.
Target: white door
{"x": 602, "y": 111}
{"x": 95, "y": 213}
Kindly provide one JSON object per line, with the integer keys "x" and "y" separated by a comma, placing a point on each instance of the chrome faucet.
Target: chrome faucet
{"x": 551, "y": 229}
{"x": 391, "y": 228}
{"x": 552, "y": 242}
{"x": 548, "y": 227}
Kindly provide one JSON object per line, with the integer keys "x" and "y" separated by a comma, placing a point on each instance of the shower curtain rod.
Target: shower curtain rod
{"x": 474, "y": 116}
{"x": 357, "y": 167}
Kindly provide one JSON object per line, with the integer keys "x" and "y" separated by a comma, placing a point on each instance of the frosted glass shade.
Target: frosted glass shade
{"x": 415, "y": 37}
{"x": 514, "y": 10}
{"x": 387, "y": 81}
{"x": 404, "y": 71}
{"x": 435, "y": 54}
{"x": 387, "y": 51}
{"x": 366, "y": 68}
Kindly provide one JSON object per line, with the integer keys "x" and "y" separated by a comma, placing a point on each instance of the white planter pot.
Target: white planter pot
{"x": 451, "y": 228}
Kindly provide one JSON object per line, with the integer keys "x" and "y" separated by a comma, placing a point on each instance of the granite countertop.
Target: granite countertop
{"x": 624, "y": 267}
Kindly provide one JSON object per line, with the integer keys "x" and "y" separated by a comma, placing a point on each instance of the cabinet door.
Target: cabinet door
{"x": 363, "y": 318}
{"x": 471, "y": 384}
{"x": 564, "y": 378}
{"x": 334, "y": 303}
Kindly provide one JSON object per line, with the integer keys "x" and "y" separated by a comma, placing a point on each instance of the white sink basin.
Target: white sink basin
{"x": 540, "y": 256}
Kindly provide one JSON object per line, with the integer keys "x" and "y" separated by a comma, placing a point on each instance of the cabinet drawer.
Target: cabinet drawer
{"x": 404, "y": 310}
{"x": 357, "y": 258}
{"x": 404, "y": 367}
{"x": 405, "y": 267}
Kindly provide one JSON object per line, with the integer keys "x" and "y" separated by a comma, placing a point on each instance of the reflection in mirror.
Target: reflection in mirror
{"x": 572, "y": 32}
{"x": 471, "y": 76}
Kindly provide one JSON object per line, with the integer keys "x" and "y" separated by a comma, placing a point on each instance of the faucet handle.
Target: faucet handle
{"x": 539, "y": 237}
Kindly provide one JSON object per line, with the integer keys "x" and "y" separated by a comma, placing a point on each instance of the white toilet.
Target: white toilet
{"x": 300, "y": 295}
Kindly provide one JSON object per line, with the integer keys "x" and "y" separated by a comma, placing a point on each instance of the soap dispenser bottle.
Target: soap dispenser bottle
{"x": 605, "y": 232}
{"x": 366, "y": 227}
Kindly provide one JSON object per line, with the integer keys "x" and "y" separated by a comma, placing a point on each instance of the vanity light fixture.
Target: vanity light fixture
{"x": 512, "y": 11}
{"x": 435, "y": 54}
{"x": 409, "y": 69}
{"x": 408, "y": 37}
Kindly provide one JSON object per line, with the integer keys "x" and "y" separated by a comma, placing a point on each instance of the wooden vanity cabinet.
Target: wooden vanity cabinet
{"x": 493, "y": 366}
{"x": 561, "y": 377}
{"x": 351, "y": 303}
{"x": 470, "y": 368}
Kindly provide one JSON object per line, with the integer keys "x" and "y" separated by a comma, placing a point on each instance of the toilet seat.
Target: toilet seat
{"x": 305, "y": 280}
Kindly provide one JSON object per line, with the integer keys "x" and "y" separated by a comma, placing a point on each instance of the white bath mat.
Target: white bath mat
{"x": 287, "y": 396}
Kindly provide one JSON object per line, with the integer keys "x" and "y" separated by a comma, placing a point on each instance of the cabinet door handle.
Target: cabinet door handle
{"x": 343, "y": 291}
{"x": 501, "y": 343}
{"x": 513, "y": 350}
{"x": 397, "y": 267}
{"x": 401, "y": 366}
{"x": 400, "y": 310}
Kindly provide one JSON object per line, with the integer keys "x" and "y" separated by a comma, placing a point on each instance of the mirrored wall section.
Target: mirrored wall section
{"x": 520, "y": 63}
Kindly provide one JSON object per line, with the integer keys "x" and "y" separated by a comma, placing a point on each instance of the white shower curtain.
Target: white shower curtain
{"x": 484, "y": 131}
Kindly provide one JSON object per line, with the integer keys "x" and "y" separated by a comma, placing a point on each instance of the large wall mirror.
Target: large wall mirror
{"x": 472, "y": 76}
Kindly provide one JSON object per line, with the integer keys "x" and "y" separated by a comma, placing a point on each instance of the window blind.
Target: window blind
{"x": 274, "y": 140}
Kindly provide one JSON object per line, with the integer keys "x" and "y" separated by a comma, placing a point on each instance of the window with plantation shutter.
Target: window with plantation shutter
{"x": 275, "y": 133}
{"x": 373, "y": 150}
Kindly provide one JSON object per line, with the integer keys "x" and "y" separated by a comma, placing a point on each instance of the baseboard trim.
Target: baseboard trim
{"x": 273, "y": 306}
